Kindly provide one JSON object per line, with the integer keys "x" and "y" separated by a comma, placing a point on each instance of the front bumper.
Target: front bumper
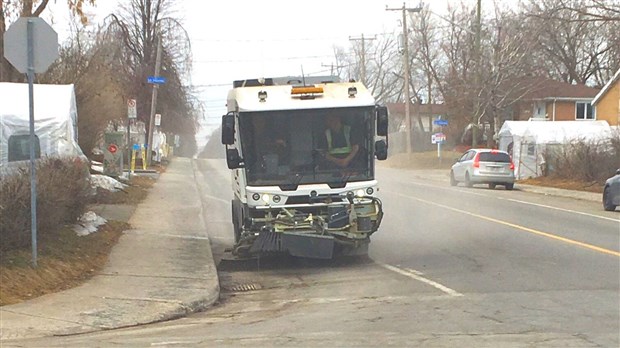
{"x": 313, "y": 231}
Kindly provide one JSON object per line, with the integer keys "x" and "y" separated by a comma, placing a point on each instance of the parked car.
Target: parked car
{"x": 611, "y": 192}
{"x": 484, "y": 166}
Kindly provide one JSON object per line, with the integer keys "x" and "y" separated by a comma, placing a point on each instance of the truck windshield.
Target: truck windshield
{"x": 292, "y": 147}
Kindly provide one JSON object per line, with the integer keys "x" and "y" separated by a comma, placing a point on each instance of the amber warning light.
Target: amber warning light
{"x": 306, "y": 90}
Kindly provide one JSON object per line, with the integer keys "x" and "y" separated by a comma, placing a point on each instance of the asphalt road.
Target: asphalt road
{"x": 450, "y": 267}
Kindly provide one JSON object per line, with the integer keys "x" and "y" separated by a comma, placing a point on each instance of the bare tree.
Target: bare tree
{"x": 572, "y": 45}
{"x": 139, "y": 25}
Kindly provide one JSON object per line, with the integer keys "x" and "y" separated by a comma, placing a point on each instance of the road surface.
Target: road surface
{"x": 450, "y": 266}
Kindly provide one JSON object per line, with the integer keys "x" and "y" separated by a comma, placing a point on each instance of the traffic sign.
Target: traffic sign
{"x": 112, "y": 148}
{"x": 438, "y": 138}
{"x": 440, "y": 122}
{"x": 132, "y": 112}
{"x": 44, "y": 44}
{"x": 158, "y": 119}
{"x": 157, "y": 80}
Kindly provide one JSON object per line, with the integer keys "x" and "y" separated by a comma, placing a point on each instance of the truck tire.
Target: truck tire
{"x": 236, "y": 225}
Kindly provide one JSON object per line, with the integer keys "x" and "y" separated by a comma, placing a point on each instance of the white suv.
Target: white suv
{"x": 484, "y": 166}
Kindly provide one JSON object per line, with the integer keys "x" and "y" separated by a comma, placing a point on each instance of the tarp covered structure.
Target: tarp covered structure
{"x": 55, "y": 114}
{"x": 529, "y": 142}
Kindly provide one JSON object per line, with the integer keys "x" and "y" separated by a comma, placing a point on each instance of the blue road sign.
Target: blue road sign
{"x": 157, "y": 80}
{"x": 440, "y": 122}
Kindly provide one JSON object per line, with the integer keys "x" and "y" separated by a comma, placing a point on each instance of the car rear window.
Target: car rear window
{"x": 494, "y": 157}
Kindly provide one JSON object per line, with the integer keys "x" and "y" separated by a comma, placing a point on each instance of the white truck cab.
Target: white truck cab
{"x": 302, "y": 153}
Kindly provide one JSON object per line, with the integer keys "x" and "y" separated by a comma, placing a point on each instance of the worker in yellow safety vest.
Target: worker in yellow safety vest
{"x": 341, "y": 146}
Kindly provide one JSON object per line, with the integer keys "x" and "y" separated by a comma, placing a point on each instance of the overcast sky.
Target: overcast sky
{"x": 237, "y": 39}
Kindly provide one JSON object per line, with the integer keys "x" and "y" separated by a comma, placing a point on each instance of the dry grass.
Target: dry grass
{"x": 422, "y": 160}
{"x": 562, "y": 183}
{"x": 134, "y": 193}
{"x": 64, "y": 262}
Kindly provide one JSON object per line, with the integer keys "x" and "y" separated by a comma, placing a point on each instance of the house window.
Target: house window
{"x": 19, "y": 147}
{"x": 584, "y": 111}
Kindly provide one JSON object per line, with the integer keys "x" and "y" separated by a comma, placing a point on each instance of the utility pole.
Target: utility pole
{"x": 149, "y": 148}
{"x": 363, "y": 58}
{"x": 478, "y": 80}
{"x": 406, "y": 10}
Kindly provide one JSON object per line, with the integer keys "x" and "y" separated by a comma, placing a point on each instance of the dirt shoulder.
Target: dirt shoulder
{"x": 422, "y": 160}
{"x": 565, "y": 184}
{"x": 68, "y": 260}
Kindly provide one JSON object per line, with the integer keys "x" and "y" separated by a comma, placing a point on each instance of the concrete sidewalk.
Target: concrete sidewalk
{"x": 161, "y": 269}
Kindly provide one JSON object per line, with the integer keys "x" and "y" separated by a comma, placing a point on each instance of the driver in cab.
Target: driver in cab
{"x": 341, "y": 144}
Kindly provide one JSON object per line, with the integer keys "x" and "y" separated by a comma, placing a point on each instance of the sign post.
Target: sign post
{"x": 31, "y": 45}
{"x": 439, "y": 138}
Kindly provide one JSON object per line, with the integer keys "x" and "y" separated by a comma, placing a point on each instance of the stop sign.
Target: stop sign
{"x": 44, "y": 44}
{"x": 112, "y": 148}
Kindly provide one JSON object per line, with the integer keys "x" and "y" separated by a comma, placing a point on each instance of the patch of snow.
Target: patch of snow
{"x": 105, "y": 182}
{"x": 88, "y": 223}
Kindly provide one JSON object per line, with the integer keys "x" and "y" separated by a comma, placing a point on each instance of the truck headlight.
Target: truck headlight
{"x": 266, "y": 198}
{"x": 359, "y": 193}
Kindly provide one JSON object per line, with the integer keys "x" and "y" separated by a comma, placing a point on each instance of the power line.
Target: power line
{"x": 261, "y": 60}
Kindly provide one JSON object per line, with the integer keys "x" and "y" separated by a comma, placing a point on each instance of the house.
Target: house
{"x": 427, "y": 112}
{"x": 550, "y": 100}
{"x": 607, "y": 101}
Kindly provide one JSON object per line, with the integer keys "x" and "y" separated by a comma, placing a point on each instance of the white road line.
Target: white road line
{"x": 512, "y": 200}
{"x": 413, "y": 274}
{"x": 560, "y": 209}
{"x": 216, "y": 199}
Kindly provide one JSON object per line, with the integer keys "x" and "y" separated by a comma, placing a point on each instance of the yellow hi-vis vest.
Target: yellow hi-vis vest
{"x": 339, "y": 150}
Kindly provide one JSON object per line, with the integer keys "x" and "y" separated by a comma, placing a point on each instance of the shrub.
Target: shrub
{"x": 63, "y": 189}
{"x": 588, "y": 161}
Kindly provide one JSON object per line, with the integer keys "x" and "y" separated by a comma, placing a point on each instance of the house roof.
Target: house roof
{"x": 541, "y": 88}
{"x": 437, "y": 109}
{"x": 606, "y": 87}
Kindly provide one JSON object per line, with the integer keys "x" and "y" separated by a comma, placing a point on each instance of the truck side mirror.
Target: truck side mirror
{"x": 228, "y": 129}
{"x": 618, "y": 171}
{"x": 382, "y": 120}
{"x": 381, "y": 150}
{"x": 233, "y": 160}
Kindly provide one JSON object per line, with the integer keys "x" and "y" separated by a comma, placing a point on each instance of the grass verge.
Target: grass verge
{"x": 66, "y": 260}
{"x": 562, "y": 183}
{"x": 423, "y": 160}
{"x": 63, "y": 262}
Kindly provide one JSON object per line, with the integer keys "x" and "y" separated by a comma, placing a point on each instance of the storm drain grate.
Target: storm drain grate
{"x": 244, "y": 287}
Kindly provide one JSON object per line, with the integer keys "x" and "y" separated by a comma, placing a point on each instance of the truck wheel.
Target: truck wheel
{"x": 468, "y": 182}
{"x": 492, "y": 186}
{"x": 607, "y": 205}
{"x": 453, "y": 181}
{"x": 236, "y": 226}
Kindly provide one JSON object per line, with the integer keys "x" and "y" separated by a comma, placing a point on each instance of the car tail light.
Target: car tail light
{"x": 512, "y": 166}
{"x": 477, "y": 160}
